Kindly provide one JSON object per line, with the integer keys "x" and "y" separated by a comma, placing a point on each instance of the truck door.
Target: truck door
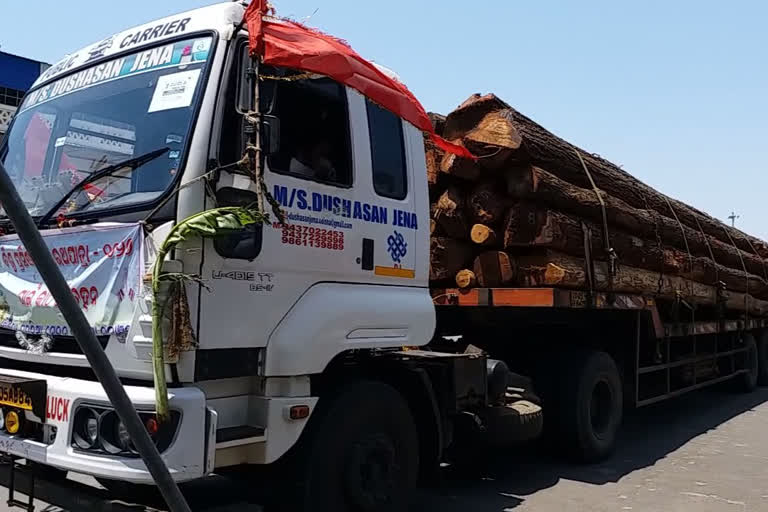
{"x": 388, "y": 238}
{"x": 344, "y": 188}
{"x": 348, "y": 206}
{"x": 255, "y": 279}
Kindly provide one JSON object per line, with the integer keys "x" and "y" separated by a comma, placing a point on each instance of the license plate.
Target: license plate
{"x": 21, "y": 393}
{"x": 15, "y": 397}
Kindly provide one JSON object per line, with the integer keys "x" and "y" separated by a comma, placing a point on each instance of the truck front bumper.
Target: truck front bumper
{"x": 185, "y": 457}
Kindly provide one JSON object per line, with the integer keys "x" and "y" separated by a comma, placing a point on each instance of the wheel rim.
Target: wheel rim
{"x": 371, "y": 473}
{"x": 601, "y": 408}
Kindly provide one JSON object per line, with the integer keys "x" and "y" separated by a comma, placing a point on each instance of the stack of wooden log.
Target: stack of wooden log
{"x": 534, "y": 210}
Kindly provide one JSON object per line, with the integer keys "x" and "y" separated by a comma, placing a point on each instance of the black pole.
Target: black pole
{"x": 79, "y": 326}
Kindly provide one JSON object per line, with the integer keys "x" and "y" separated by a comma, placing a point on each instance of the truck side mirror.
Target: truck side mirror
{"x": 270, "y": 134}
{"x": 243, "y": 244}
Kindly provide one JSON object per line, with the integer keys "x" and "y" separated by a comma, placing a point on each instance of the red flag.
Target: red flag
{"x": 254, "y": 15}
{"x": 292, "y": 45}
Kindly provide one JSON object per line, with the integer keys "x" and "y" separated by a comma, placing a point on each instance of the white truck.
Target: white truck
{"x": 311, "y": 353}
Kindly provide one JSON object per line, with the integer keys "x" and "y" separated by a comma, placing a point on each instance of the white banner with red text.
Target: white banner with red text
{"x": 103, "y": 265}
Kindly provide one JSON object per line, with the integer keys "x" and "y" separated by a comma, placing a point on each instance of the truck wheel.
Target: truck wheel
{"x": 589, "y": 405}
{"x": 747, "y": 382}
{"x": 762, "y": 358}
{"x": 514, "y": 423}
{"x": 362, "y": 453}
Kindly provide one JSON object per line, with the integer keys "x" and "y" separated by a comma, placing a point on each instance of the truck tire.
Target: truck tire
{"x": 588, "y": 405}
{"x": 361, "y": 453}
{"x": 762, "y": 358}
{"x": 516, "y": 422}
{"x": 747, "y": 382}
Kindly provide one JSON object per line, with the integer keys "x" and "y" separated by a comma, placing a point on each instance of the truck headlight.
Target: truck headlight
{"x": 85, "y": 429}
{"x": 99, "y": 429}
{"x": 114, "y": 437}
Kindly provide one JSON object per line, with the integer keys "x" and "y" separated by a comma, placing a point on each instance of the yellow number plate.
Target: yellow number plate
{"x": 13, "y": 396}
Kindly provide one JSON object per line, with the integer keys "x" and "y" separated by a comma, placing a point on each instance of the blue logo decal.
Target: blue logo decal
{"x": 398, "y": 247}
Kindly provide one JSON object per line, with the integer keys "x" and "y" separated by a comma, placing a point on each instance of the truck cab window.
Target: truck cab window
{"x": 235, "y": 103}
{"x": 105, "y": 114}
{"x": 390, "y": 178}
{"x": 314, "y": 131}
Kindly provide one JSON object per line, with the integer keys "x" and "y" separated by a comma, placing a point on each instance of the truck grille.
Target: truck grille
{"x": 72, "y": 372}
{"x": 61, "y": 344}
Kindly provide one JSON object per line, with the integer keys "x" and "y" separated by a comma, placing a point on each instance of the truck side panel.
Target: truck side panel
{"x": 332, "y": 318}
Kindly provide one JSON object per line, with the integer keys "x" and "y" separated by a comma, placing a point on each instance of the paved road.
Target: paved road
{"x": 705, "y": 452}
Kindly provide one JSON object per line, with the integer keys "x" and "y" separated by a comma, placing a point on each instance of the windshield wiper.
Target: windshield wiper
{"x": 133, "y": 164}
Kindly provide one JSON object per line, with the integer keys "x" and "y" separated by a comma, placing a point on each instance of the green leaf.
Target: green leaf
{"x": 208, "y": 224}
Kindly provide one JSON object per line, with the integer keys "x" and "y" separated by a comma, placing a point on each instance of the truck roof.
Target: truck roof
{"x": 222, "y": 17}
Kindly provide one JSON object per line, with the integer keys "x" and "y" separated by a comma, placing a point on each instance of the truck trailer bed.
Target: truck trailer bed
{"x": 663, "y": 349}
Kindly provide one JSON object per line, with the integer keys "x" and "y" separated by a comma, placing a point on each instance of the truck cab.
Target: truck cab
{"x": 281, "y": 312}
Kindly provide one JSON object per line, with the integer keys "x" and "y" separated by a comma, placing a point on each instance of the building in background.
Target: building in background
{"x": 17, "y": 74}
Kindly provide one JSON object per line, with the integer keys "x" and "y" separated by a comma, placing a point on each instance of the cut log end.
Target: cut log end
{"x": 554, "y": 274}
{"x": 483, "y": 235}
{"x": 466, "y": 279}
{"x": 448, "y": 213}
{"x": 496, "y": 130}
{"x": 470, "y": 113}
{"x": 459, "y": 167}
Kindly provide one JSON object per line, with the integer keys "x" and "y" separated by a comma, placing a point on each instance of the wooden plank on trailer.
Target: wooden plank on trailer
{"x": 539, "y": 297}
{"x": 697, "y": 328}
{"x": 524, "y": 297}
{"x": 457, "y": 297}
{"x": 580, "y": 299}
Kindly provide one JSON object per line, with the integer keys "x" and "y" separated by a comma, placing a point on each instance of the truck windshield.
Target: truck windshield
{"x": 101, "y": 116}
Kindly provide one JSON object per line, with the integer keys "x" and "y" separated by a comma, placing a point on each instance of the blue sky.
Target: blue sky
{"x": 675, "y": 92}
